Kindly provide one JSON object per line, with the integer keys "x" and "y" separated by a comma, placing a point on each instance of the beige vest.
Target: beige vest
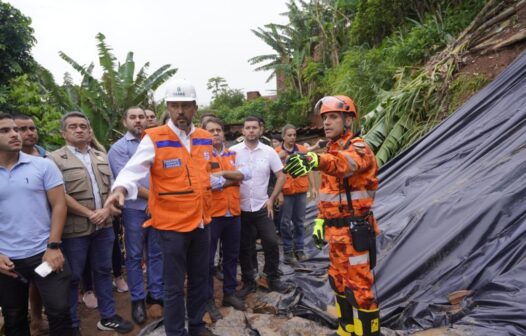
{"x": 78, "y": 185}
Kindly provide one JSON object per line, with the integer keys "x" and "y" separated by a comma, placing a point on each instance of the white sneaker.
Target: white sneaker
{"x": 121, "y": 284}
{"x": 90, "y": 300}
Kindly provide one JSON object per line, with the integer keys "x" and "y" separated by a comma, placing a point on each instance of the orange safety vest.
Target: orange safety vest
{"x": 296, "y": 185}
{"x": 228, "y": 197}
{"x": 349, "y": 158}
{"x": 180, "y": 196}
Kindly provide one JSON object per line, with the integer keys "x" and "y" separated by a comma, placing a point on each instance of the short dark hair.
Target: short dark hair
{"x": 22, "y": 117}
{"x": 4, "y": 115}
{"x": 70, "y": 115}
{"x": 253, "y": 118}
{"x": 125, "y": 115}
{"x": 215, "y": 120}
{"x": 207, "y": 114}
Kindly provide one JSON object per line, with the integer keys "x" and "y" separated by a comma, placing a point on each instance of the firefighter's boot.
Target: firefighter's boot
{"x": 345, "y": 316}
{"x": 366, "y": 322}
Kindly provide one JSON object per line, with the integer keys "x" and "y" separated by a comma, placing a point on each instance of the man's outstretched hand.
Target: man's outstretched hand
{"x": 115, "y": 201}
{"x": 301, "y": 164}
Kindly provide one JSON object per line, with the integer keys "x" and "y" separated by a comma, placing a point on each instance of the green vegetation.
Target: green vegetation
{"x": 27, "y": 88}
{"x": 465, "y": 85}
{"x": 396, "y": 59}
{"x": 16, "y": 41}
{"x": 28, "y": 97}
{"x": 384, "y": 54}
{"x": 104, "y": 101}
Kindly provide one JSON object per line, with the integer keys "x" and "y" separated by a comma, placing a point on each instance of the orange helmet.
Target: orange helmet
{"x": 341, "y": 104}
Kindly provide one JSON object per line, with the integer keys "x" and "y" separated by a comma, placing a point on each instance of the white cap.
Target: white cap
{"x": 179, "y": 90}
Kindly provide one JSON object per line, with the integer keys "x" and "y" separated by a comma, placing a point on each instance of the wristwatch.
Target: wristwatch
{"x": 54, "y": 245}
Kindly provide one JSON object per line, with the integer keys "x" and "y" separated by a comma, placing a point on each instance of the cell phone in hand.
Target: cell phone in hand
{"x": 323, "y": 143}
{"x": 20, "y": 277}
{"x": 43, "y": 269}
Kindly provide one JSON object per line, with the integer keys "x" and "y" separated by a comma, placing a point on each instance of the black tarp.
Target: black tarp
{"x": 452, "y": 210}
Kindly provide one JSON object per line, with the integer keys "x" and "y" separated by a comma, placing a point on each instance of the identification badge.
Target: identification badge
{"x": 172, "y": 163}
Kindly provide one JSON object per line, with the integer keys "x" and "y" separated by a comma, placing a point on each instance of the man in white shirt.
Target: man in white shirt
{"x": 177, "y": 157}
{"x": 257, "y": 207}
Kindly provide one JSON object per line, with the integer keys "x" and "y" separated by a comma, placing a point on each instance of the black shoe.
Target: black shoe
{"x": 211, "y": 308}
{"x": 289, "y": 258}
{"x": 151, "y": 301}
{"x": 234, "y": 301}
{"x": 115, "y": 323}
{"x": 300, "y": 255}
{"x": 202, "y": 332}
{"x": 138, "y": 311}
{"x": 248, "y": 287}
{"x": 277, "y": 285}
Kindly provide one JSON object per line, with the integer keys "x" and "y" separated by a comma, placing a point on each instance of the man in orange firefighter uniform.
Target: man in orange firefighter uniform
{"x": 348, "y": 172}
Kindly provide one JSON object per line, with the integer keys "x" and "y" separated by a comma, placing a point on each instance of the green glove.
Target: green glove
{"x": 301, "y": 164}
{"x": 318, "y": 233}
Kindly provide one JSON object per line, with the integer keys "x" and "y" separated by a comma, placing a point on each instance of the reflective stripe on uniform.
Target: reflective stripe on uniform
{"x": 355, "y": 195}
{"x": 358, "y": 260}
{"x": 351, "y": 163}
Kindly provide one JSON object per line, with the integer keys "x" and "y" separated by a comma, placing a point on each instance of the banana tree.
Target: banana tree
{"x": 104, "y": 100}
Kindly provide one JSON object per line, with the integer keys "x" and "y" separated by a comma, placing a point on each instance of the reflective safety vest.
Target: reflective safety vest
{"x": 180, "y": 196}
{"x": 296, "y": 185}
{"x": 227, "y": 198}
{"x": 352, "y": 159}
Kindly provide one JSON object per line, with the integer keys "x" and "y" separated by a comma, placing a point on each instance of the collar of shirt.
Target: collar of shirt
{"x": 294, "y": 149}
{"x": 180, "y": 133}
{"x": 130, "y": 137}
{"x": 256, "y": 148}
{"x": 220, "y": 152}
{"x": 185, "y": 138}
{"x": 22, "y": 158}
{"x": 76, "y": 150}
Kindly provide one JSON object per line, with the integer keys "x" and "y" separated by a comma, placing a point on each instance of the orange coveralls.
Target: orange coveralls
{"x": 348, "y": 268}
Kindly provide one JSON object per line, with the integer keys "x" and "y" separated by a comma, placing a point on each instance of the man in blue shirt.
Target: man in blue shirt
{"x": 29, "y": 134}
{"x": 32, "y": 215}
{"x": 134, "y": 214}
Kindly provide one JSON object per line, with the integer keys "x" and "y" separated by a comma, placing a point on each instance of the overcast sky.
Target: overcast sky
{"x": 202, "y": 38}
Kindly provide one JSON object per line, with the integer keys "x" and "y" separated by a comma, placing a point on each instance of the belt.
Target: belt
{"x": 337, "y": 222}
{"x": 346, "y": 221}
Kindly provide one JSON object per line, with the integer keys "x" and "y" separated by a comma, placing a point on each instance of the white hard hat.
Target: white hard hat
{"x": 179, "y": 90}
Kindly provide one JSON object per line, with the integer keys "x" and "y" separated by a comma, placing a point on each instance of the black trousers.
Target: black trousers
{"x": 185, "y": 254}
{"x": 54, "y": 290}
{"x": 254, "y": 224}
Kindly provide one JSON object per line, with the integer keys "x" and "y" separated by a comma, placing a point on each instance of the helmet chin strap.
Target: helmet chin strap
{"x": 345, "y": 127}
